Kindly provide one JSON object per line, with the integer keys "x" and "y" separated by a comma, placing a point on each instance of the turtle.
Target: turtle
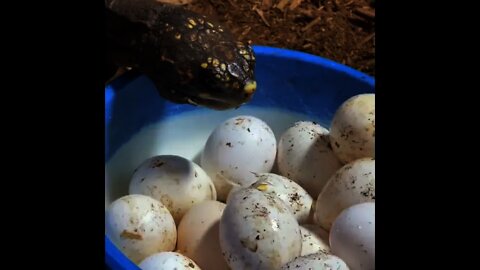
{"x": 189, "y": 57}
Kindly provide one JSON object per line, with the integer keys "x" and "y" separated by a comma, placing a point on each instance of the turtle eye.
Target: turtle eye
{"x": 234, "y": 70}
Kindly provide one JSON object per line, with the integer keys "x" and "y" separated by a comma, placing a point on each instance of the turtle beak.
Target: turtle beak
{"x": 250, "y": 87}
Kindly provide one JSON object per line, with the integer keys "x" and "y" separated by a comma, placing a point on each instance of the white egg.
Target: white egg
{"x": 354, "y": 183}
{"x": 312, "y": 242}
{"x": 317, "y": 261}
{"x": 353, "y": 128}
{"x": 317, "y": 231}
{"x": 306, "y": 157}
{"x": 237, "y": 147}
{"x": 198, "y": 233}
{"x": 168, "y": 261}
{"x": 175, "y": 181}
{"x": 292, "y": 194}
{"x": 258, "y": 231}
{"x": 352, "y": 237}
{"x": 140, "y": 226}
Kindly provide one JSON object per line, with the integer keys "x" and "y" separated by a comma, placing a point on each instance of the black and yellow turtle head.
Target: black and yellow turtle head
{"x": 211, "y": 67}
{"x": 190, "y": 58}
{"x": 227, "y": 78}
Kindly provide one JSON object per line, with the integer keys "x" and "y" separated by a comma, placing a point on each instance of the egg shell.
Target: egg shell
{"x": 317, "y": 231}
{"x": 237, "y": 147}
{"x": 354, "y": 183}
{"x": 258, "y": 231}
{"x": 173, "y": 180}
{"x": 198, "y": 235}
{"x": 352, "y": 132}
{"x": 306, "y": 156}
{"x": 312, "y": 242}
{"x": 140, "y": 226}
{"x": 168, "y": 261}
{"x": 291, "y": 193}
{"x": 352, "y": 237}
{"x": 316, "y": 261}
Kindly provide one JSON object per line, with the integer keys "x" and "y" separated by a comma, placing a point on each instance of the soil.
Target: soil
{"x": 340, "y": 30}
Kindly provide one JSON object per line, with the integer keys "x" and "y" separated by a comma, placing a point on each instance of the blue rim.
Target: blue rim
{"x": 114, "y": 258}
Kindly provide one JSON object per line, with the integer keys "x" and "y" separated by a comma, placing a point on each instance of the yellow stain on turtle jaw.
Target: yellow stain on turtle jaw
{"x": 215, "y": 62}
{"x": 204, "y": 65}
{"x": 189, "y": 26}
{"x": 250, "y": 87}
{"x": 178, "y": 35}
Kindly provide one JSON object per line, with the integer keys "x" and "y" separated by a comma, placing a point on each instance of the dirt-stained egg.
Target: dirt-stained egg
{"x": 236, "y": 148}
{"x": 317, "y": 231}
{"x": 292, "y": 194}
{"x": 312, "y": 242}
{"x": 140, "y": 226}
{"x": 173, "y": 180}
{"x": 316, "y": 261}
{"x": 168, "y": 261}
{"x": 352, "y": 133}
{"x": 258, "y": 231}
{"x": 352, "y": 237}
{"x": 306, "y": 156}
{"x": 198, "y": 235}
{"x": 352, "y": 184}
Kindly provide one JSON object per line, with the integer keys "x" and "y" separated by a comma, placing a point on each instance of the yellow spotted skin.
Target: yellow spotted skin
{"x": 189, "y": 57}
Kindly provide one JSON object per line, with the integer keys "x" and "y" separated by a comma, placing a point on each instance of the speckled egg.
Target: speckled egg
{"x": 317, "y": 231}
{"x": 306, "y": 156}
{"x": 140, "y": 226}
{"x": 353, "y": 128}
{"x": 312, "y": 242}
{"x": 237, "y": 147}
{"x": 258, "y": 231}
{"x": 354, "y": 183}
{"x": 198, "y": 235}
{"x": 316, "y": 261}
{"x": 168, "y": 261}
{"x": 299, "y": 201}
{"x": 352, "y": 237}
{"x": 175, "y": 181}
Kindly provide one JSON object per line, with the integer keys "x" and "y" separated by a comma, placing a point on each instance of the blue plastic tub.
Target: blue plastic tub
{"x": 286, "y": 79}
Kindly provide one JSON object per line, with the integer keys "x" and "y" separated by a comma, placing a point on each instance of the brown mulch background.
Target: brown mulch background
{"x": 341, "y": 30}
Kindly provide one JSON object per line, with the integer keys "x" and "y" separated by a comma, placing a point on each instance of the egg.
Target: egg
{"x": 317, "y": 261}
{"x": 352, "y": 237}
{"x": 236, "y": 148}
{"x": 312, "y": 242}
{"x": 140, "y": 226}
{"x": 168, "y": 261}
{"x": 173, "y": 180}
{"x": 258, "y": 231}
{"x": 306, "y": 156}
{"x": 292, "y": 194}
{"x": 353, "y": 128}
{"x": 198, "y": 235}
{"x": 317, "y": 231}
{"x": 354, "y": 183}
